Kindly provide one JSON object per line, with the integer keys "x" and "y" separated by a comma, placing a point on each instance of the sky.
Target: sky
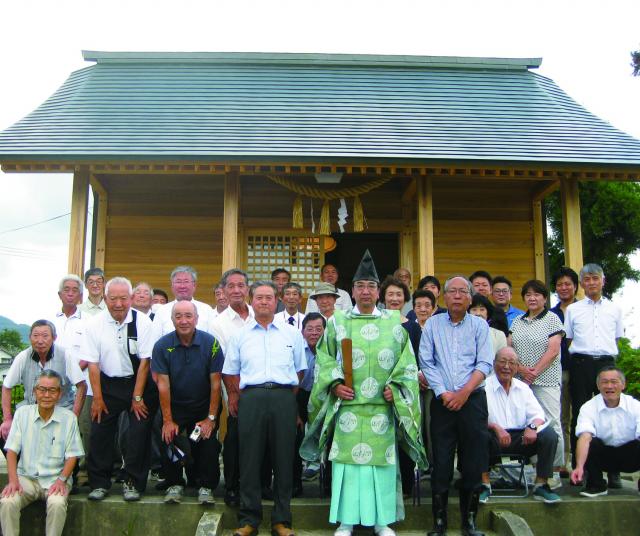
{"x": 585, "y": 47}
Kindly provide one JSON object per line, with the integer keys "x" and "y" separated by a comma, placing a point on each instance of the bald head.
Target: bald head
{"x": 185, "y": 318}
{"x": 505, "y": 364}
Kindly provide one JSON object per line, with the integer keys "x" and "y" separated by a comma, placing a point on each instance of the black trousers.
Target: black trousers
{"x": 583, "y": 371}
{"x": 231, "y": 456}
{"x": 302, "y": 400}
{"x": 466, "y": 429}
{"x": 266, "y": 416}
{"x": 625, "y": 458}
{"x": 117, "y": 394}
{"x": 544, "y": 448}
{"x": 205, "y": 469}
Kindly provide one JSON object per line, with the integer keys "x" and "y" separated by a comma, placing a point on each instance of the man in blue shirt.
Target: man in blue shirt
{"x": 263, "y": 367}
{"x": 455, "y": 356}
{"x": 188, "y": 364}
{"x": 501, "y": 293}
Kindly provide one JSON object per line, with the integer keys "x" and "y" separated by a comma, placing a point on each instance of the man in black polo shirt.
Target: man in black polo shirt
{"x": 188, "y": 363}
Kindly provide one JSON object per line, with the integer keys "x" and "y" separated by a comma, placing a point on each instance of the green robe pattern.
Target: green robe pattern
{"x": 365, "y": 430}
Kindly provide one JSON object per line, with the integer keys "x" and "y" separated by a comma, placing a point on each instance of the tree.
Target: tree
{"x": 635, "y": 62}
{"x": 11, "y": 341}
{"x": 610, "y": 218}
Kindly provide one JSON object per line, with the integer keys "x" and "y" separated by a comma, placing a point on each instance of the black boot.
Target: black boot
{"x": 439, "y": 509}
{"x": 469, "y": 500}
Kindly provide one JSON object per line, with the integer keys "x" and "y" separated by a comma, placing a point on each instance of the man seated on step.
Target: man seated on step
{"x": 608, "y": 432}
{"x": 516, "y": 422}
{"x": 47, "y": 439}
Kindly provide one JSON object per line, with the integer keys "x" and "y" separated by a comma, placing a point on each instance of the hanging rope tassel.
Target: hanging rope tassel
{"x": 325, "y": 226}
{"x": 358, "y": 215}
{"x": 298, "y": 219}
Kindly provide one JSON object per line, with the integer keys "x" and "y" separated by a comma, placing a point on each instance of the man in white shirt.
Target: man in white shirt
{"x": 94, "y": 302}
{"x": 592, "y": 326}
{"x": 183, "y": 285}
{"x": 515, "y": 421}
{"x": 117, "y": 346}
{"x": 291, "y": 297}
{"x": 608, "y": 433}
{"x": 329, "y": 274}
{"x": 221, "y": 300}
{"x": 142, "y": 299}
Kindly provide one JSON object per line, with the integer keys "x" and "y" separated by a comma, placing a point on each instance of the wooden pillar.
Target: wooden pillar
{"x": 78, "y": 225}
{"x": 102, "y": 210}
{"x": 230, "y": 221}
{"x": 426, "y": 262}
{"x": 538, "y": 240}
{"x": 406, "y": 239}
{"x": 571, "y": 223}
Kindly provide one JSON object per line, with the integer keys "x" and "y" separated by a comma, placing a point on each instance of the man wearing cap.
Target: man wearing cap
{"x": 383, "y": 376}
{"x": 325, "y": 296}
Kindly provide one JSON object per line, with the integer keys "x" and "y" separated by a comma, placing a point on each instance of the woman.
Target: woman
{"x": 536, "y": 337}
{"x": 424, "y": 305}
{"x": 482, "y": 307}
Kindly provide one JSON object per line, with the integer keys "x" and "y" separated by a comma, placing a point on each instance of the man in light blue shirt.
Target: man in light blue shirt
{"x": 263, "y": 366}
{"x": 455, "y": 356}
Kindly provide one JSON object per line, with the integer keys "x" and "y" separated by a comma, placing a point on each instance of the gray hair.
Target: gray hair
{"x": 143, "y": 284}
{"x": 186, "y": 270}
{"x": 591, "y": 268}
{"x": 94, "y": 271}
{"x": 195, "y": 309}
{"x": 118, "y": 281}
{"x": 233, "y": 271}
{"x": 294, "y": 286}
{"x": 610, "y": 368}
{"x": 71, "y": 277}
{"x": 43, "y": 323}
{"x": 507, "y": 350}
{"x": 257, "y": 284}
{"x": 448, "y": 281}
{"x": 49, "y": 373}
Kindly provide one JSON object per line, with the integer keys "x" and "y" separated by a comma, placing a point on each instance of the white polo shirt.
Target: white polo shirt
{"x": 91, "y": 309}
{"x": 69, "y": 331}
{"x": 614, "y": 426}
{"x": 593, "y": 327}
{"x": 514, "y": 410}
{"x": 106, "y": 343}
{"x": 162, "y": 323}
{"x": 227, "y": 323}
{"x": 343, "y": 302}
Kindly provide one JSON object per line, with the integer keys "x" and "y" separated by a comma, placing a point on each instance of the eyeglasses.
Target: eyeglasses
{"x": 461, "y": 291}
{"x": 48, "y": 390}
{"x": 501, "y": 291}
{"x": 369, "y": 286}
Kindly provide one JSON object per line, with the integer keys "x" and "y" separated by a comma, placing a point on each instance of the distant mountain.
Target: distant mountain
{"x": 23, "y": 329}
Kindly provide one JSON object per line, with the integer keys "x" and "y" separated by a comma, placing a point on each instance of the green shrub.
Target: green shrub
{"x": 629, "y": 362}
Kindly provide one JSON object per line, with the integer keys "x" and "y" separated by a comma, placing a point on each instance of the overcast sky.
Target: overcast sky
{"x": 585, "y": 48}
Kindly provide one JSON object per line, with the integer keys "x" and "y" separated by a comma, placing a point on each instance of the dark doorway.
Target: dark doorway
{"x": 350, "y": 248}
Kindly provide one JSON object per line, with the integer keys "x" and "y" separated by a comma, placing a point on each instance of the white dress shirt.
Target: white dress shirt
{"x": 275, "y": 354}
{"x": 343, "y": 302}
{"x": 593, "y": 327}
{"x": 106, "y": 343}
{"x": 163, "y": 324}
{"x": 227, "y": 323}
{"x": 515, "y": 410}
{"x": 614, "y": 426}
{"x": 282, "y": 318}
{"x": 69, "y": 330}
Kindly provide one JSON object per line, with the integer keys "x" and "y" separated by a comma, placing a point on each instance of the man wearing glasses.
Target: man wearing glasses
{"x": 455, "y": 356}
{"x": 501, "y": 290}
{"x": 94, "y": 281}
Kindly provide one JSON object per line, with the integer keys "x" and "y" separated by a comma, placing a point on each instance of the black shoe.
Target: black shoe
{"x": 614, "y": 481}
{"x": 594, "y": 490}
{"x": 232, "y": 498}
{"x": 267, "y": 494}
{"x": 439, "y": 509}
{"x": 469, "y": 500}
{"x": 297, "y": 490}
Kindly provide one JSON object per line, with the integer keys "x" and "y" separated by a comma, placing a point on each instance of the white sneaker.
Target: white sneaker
{"x": 344, "y": 530}
{"x": 384, "y": 531}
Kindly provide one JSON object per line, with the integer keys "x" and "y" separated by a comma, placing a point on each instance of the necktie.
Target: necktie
{"x": 291, "y": 320}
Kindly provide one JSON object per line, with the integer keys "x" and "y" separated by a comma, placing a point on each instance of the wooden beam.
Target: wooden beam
{"x": 230, "y": 221}
{"x": 571, "y": 223}
{"x": 538, "y": 240}
{"x": 409, "y": 193}
{"x": 426, "y": 263}
{"x": 545, "y": 189}
{"x": 78, "y": 225}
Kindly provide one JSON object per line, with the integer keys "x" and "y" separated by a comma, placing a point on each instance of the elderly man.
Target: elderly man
{"x": 329, "y": 274}
{"x": 47, "y": 439}
{"x": 325, "y": 295}
{"x": 94, "y": 303}
{"x": 143, "y": 298}
{"x": 366, "y": 410}
{"x": 221, "y": 300}
{"x": 280, "y": 277}
{"x": 517, "y": 425}
{"x": 608, "y": 432}
{"x": 26, "y": 367}
{"x": 263, "y": 366}
{"x": 291, "y": 297}
{"x": 455, "y": 356}
{"x": 68, "y": 320}
{"x": 592, "y": 326}
{"x": 501, "y": 293}
{"x": 188, "y": 364}
{"x": 183, "y": 285}
{"x": 235, "y": 283}
{"x": 117, "y": 347}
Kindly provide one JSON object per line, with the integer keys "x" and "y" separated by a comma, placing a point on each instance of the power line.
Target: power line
{"x": 34, "y": 224}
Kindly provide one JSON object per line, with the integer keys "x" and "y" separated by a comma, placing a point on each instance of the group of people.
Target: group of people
{"x": 373, "y": 389}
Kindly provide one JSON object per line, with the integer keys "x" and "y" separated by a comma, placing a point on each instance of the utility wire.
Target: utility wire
{"x": 34, "y": 224}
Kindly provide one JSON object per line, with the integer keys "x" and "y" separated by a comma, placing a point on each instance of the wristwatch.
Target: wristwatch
{"x": 63, "y": 478}
{"x": 212, "y": 418}
{"x": 532, "y": 426}
{"x": 137, "y": 398}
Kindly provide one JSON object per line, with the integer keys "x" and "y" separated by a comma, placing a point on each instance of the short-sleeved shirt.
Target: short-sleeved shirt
{"x": 91, "y": 309}
{"x": 343, "y": 302}
{"x": 69, "y": 331}
{"x": 189, "y": 369}
{"x": 593, "y": 327}
{"x": 513, "y": 410}
{"x": 512, "y": 313}
{"x": 614, "y": 426}
{"x": 26, "y": 368}
{"x": 261, "y": 355}
{"x": 227, "y": 323}
{"x": 163, "y": 324}
{"x": 44, "y": 446}
{"x": 530, "y": 339}
{"x": 106, "y": 342}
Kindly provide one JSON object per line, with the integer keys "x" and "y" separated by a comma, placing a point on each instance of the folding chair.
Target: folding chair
{"x": 520, "y": 487}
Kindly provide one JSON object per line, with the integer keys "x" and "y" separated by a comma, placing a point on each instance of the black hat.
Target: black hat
{"x": 366, "y": 270}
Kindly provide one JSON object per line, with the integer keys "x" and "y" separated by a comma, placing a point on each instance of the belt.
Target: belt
{"x": 594, "y": 357}
{"x": 269, "y": 385}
